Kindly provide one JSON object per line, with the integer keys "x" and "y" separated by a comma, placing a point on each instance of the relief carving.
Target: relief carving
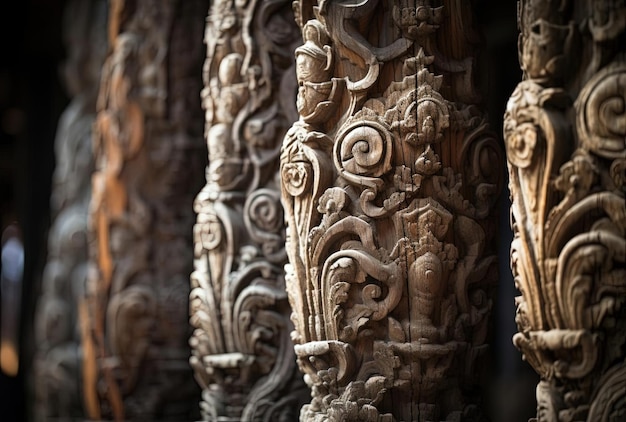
{"x": 388, "y": 181}
{"x": 148, "y": 150}
{"x": 57, "y": 365}
{"x": 565, "y": 131}
{"x": 241, "y": 350}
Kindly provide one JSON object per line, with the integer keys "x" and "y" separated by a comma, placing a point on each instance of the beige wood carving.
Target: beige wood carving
{"x": 388, "y": 181}
{"x": 57, "y": 364}
{"x": 565, "y": 130}
{"x": 148, "y": 148}
{"x": 242, "y": 353}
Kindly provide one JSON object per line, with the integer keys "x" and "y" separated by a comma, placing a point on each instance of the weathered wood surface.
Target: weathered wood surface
{"x": 565, "y": 130}
{"x": 388, "y": 181}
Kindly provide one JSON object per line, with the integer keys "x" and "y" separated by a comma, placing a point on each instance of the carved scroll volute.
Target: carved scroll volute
{"x": 146, "y": 143}
{"x": 384, "y": 170}
{"x": 242, "y": 354}
{"x": 565, "y": 133}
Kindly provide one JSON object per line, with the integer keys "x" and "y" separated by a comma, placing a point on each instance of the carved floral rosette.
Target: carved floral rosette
{"x": 565, "y": 130}
{"x": 388, "y": 187}
{"x": 241, "y": 351}
{"x": 147, "y": 140}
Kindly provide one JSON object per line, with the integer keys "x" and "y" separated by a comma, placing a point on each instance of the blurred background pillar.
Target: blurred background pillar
{"x": 149, "y": 162}
{"x": 58, "y": 371}
{"x": 565, "y": 130}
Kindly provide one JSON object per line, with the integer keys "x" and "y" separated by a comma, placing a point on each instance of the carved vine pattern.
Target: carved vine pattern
{"x": 242, "y": 354}
{"x": 388, "y": 181}
{"x": 147, "y": 142}
{"x": 565, "y": 130}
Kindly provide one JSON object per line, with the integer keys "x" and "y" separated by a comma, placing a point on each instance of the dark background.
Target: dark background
{"x": 32, "y": 99}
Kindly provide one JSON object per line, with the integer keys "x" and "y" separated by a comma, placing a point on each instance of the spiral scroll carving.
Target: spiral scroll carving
{"x": 364, "y": 149}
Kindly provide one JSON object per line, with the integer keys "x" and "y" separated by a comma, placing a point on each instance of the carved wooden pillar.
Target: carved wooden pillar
{"x": 388, "y": 181}
{"x": 565, "y": 130}
{"x": 58, "y": 360}
{"x": 242, "y": 353}
{"x": 148, "y": 147}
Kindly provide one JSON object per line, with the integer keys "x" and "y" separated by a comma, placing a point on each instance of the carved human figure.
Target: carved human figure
{"x": 313, "y": 69}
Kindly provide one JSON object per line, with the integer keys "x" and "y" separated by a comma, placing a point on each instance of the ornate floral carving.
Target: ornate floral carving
{"x": 242, "y": 355}
{"x": 58, "y": 337}
{"x": 147, "y": 142}
{"x": 569, "y": 214}
{"x": 390, "y": 275}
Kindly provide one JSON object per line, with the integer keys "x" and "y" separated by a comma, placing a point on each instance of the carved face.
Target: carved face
{"x": 311, "y": 69}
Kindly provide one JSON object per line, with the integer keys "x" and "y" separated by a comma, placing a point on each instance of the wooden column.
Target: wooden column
{"x": 388, "y": 181}
{"x": 57, "y": 364}
{"x": 148, "y": 148}
{"x": 242, "y": 354}
{"x": 565, "y": 130}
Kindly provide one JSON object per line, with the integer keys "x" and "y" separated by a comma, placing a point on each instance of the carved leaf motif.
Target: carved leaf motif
{"x": 357, "y": 267}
